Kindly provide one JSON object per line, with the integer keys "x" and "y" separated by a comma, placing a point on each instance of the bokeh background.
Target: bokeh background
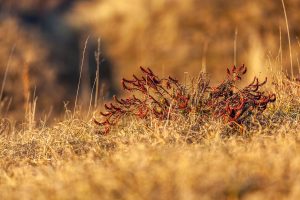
{"x": 42, "y": 43}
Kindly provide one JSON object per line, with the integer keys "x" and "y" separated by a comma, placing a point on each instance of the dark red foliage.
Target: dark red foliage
{"x": 234, "y": 104}
{"x": 162, "y": 98}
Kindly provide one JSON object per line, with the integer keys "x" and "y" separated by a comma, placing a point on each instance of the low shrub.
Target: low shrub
{"x": 165, "y": 98}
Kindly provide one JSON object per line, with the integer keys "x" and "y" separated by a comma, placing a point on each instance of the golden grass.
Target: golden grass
{"x": 139, "y": 159}
{"x": 150, "y": 159}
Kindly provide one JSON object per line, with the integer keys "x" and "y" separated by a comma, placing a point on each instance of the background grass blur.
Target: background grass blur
{"x": 178, "y": 36}
{"x": 171, "y": 36}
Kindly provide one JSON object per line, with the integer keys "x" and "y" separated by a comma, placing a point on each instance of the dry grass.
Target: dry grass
{"x": 152, "y": 159}
{"x": 156, "y": 160}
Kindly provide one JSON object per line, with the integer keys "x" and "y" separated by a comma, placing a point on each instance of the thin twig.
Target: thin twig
{"x": 97, "y": 54}
{"x": 80, "y": 74}
{"x": 235, "y": 47}
{"x": 6, "y": 70}
{"x": 289, "y": 38}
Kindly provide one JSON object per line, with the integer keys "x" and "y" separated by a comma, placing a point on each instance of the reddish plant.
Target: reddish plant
{"x": 159, "y": 97}
{"x": 234, "y": 104}
{"x": 166, "y": 97}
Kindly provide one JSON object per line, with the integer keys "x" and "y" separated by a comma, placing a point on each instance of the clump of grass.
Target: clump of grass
{"x": 148, "y": 159}
{"x": 166, "y": 98}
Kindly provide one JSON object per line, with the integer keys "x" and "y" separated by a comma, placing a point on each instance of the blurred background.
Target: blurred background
{"x": 44, "y": 44}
